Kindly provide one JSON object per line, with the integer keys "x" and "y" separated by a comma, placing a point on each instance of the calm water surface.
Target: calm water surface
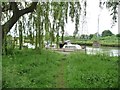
{"x": 112, "y": 51}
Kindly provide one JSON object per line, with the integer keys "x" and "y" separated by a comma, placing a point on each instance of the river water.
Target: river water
{"x": 112, "y": 51}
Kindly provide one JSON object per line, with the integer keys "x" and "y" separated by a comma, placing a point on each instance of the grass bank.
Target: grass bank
{"x": 111, "y": 41}
{"x": 30, "y": 69}
{"x": 90, "y": 43}
{"x": 91, "y": 71}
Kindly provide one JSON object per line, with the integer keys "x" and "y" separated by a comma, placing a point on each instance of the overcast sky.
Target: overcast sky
{"x": 93, "y": 10}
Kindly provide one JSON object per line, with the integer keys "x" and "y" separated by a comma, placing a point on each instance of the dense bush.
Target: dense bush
{"x": 107, "y": 33}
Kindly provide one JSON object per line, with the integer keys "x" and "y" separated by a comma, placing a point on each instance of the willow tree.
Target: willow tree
{"x": 77, "y": 17}
{"x": 57, "y": 15}
{"x": 29, "y": 25}
{"x": 61, "y": 11}
{"x": 15, "y": 34}
{"x": 20, "y": 34}
{"x": 58, "y": 11}
{"x": 15, "y": 11}
{"x": 112, "y": 6}
{"x": 47, "y": 21}
{"x": 52, "y": 34}
{"x": 6, "y": 15}
{"x": 15, "y": 7}
{"x": 63, "y": 18}
{"x": 39, "y": 25}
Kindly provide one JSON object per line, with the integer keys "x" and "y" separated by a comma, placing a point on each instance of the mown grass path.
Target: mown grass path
{"x": 60, "y": 81}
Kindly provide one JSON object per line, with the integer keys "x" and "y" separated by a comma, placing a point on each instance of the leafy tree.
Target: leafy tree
{"x": 118, "y": 35}
{"x": 107, "y": 33}
{"x": 83, "y": 36}
{"x": 91, "y": 36}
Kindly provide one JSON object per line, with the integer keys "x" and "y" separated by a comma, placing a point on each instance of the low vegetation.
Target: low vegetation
{"x": 104, "y": 41}
{"x": 91, "y": 71}
{"x": 30, "y": 69}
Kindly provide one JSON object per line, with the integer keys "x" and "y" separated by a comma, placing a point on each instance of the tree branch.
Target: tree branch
{"x": 29, "y": 9}
{"x": 6, "y": 7}
{"x": 14, "y": 6}
{"x": 16, "y": 15}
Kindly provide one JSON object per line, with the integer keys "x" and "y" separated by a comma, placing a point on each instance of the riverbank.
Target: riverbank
{"x": 108, "y": 41}
{"x": 91, "y": 43}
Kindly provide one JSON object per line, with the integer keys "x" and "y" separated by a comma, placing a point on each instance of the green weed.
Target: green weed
{"x": 91, "y": 71}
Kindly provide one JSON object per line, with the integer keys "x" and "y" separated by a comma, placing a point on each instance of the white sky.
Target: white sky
{"x": 105, "y": 20}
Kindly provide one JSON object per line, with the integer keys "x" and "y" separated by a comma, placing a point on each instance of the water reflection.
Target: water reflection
{"x": 112, "y": 51}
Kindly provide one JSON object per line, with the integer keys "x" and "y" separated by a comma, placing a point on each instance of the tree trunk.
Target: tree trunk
{"x": 62, "y": 38}
{"x": 4, "y": 45}
{"x": 20, "y": 35}
{"x": 36, "y": 40}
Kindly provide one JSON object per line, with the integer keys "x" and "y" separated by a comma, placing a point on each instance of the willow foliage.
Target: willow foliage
{"x": 48, "y": 20}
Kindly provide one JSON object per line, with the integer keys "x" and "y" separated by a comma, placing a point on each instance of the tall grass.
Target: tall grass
{"x": 91, "y": 71}
{"x": 30, "y": 69}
